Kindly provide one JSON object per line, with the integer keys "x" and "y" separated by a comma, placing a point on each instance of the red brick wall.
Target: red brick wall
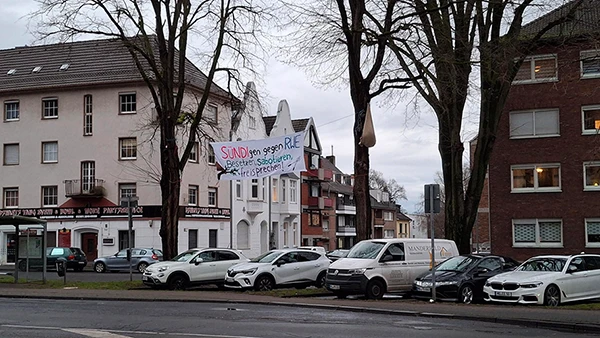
{"x": 571, "y": 149}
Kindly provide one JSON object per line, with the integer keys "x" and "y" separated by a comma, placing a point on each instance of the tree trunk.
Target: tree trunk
{"x": 170, "y": 186}
{"x": 361, "y": 169}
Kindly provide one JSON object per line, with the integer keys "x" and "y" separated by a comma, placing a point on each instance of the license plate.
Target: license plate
{"x": 422, "y": 289}
{"x": 334, "y": 287}
{"x": 503, "y": 293}
{"x": 144, "y": 277}
{"x": 81, "y": 263}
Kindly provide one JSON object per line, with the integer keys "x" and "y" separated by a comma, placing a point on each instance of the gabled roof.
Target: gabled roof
{"x": 382, "y": 205}
{"x": 338, "y": 188}
{"x": 400, "y": 216}
{"x": 585, "y": 20}
{"x": 269, "y": 123}
{"x": 299, "y": 125}
{"x": 92, "y": 62}
{"x": 325, "y": 163}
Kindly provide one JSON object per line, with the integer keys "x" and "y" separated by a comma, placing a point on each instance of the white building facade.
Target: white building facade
{"x": 79, "y": 133}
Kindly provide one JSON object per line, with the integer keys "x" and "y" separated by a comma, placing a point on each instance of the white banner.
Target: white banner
{"x": 244, "y": 160}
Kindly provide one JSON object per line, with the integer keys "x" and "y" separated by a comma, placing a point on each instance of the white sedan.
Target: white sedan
{"x": 547, "y": 280}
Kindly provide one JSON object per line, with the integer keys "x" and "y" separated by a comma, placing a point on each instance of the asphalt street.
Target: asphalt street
{"x": 84, "y": 276}
{"x": 35, "y": 318}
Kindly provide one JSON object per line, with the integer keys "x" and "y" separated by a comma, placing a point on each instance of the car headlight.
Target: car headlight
{"x": 488, "y": 283}
{"x": 530, "y": 285}
{"x": 357, "y": 271}
{"x": 163, "y": 268}
{"x": 249, "y": 271}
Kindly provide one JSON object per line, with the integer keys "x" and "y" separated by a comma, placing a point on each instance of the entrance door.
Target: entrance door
{"x": 11, "y": 248}
{"x": 89, "y": 245}
{"x": 212, "y": 238}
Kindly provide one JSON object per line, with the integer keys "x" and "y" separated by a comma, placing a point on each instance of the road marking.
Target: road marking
{"x": 107, "y": 333}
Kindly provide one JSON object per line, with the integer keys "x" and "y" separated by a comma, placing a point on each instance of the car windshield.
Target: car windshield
{"x": 366, "y": 250}
{"x": 543, "y": 264}
{"x": 458, "y": 263}
{"x": 267, "y": 257}
{"x": 339, "y": 253}
{"x": 185, "y": 256}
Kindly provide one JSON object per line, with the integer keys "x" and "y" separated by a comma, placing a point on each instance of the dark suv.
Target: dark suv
{"x": 76, "y": 259}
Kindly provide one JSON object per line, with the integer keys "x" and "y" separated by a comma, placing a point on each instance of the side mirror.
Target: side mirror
{"x": 198, "y": 260}
{"x": 572, "y": 268}
{"x": 481, "y": 271}
{"x": 280, "y": 262}
{"x": 387, "y": 258}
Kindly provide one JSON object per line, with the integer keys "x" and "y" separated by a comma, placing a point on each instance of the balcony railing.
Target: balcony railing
{"x": 86, "y": 188}
{"x": 346, "y": 207}
{"x": 320, "y": 174}
{"x": 320, "y": 202}
{"x": 345, "y": 230}
{"x": 255, "y": 207}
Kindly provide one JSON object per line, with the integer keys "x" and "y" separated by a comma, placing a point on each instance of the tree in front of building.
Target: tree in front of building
{"x": 378, "y": 182}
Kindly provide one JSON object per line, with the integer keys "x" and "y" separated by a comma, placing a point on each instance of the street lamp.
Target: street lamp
{"x": 129, "y": 202}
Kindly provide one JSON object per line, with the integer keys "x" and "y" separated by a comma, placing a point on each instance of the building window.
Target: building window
{"x": 283, "y": 192}
{"x": 590, "y": 119}
{"x": 194, "y": 153}
{"x": 50, "y": 196}
{"x": 127, "y": 148}
{"x": 252, "y": 123}
{"x": 243, "y": 235}
{"x": 254, "y": 188}
{"x": 212, "y": 197}
{"x": 313, "y": 161}
{"x": 314, "y": 218}
{"x": 11, "y": 154}
{"x": 11, "y": 110}
{"x": 124, "y": 240}
{"x": 536, "y": 178}
{"x": 387, "y": 216}
{"x": 537, "y": 233}
{"x": 49, "y": 152}
{"x": 285, "y": 234}
{"x": 88, "y": 175}
{"x": 314, "y": 190}
{"x": 538, "y": 68}
{"x": 275, "y": 190}
{"x": 87, "y": 115}
{"x": 238, "y": 189}
{"x": 127, "y": 104}
{"x": 11, "y": 197}
{"x": 264, "y": 188}
{"x": 591, "y": 175}
{"x": 211, "y": 155}
{"x": 590, "y": 63}
{"x": 592, "y": 232}
{"x": 126, "y": 190}
{"x": 50, "y": 108}
{"x": 210, "y": 113}
{"x": 193, "y": 195}
{"x": 293, "y": 191}
{"x": 388, "y": 233}
{"x": 534, "y": 123}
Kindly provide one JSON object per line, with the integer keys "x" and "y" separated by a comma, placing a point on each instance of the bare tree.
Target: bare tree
{"x": 344, "y": 42}
{"x": 156, "y": 33}
{"x": 395, "y": 190}
{"x": 436, "y": 49}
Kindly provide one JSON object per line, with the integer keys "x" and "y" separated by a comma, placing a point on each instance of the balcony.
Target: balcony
{"x": 320, "y": 174}
{"x": 255, "y": 207}
{"x": 345, "y": 231}
{"x": 320, "y": 202}
{"x": 348, "y": 209}
{"x": 88, "y": 188}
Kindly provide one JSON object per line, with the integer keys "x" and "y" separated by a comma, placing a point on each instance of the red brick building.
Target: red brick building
{"x": 544, "y": 173}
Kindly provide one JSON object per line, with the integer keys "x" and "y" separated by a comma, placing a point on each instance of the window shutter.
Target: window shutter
{"x": 11, "y": 154}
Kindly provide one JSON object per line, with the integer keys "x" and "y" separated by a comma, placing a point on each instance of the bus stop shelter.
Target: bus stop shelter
{"x": 26, "y": 223}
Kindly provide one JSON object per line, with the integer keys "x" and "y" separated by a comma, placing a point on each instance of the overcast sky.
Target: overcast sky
{"x": 406, "y": 148}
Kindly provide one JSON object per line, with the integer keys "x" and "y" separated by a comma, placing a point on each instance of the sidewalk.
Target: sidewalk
{"x": 531, "y": 316}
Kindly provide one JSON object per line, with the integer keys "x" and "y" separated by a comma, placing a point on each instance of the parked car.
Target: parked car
{"x": 461, "y": 278}
{"x": 193, "y": 267}
{"x": 376, "y": 266}
{"x": 280, "y": 268}
{"x": 337, "y": 254}
{"x": 140, "y": 259}
{"x": 318, "y": 249}
{"x": 548, "y": 280}
{"x": 75, "y": 257}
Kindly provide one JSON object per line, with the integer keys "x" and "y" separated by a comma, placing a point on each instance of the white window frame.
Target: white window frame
{"x": 239, "y": 191}
{"x": 592, "y": 54}
{"x": 535, "y": 187}
{"x": 533, "y": 112}
{"x": 283, "y": 191}
{"x": 46, "y": 153}
{"x": 532, "y": 59}
{"x": 4, "y": 154}
{"x": 214, "y": 113}
{"x": 538, "y": 243}
{"x": 590, "y": 187}
{"x": 6, "y": 110}
{"x": 5, "y": 198}
{"x": 210, "y": 156}
{"x": 194, "y": 153}
{"x": 127, "y": 151}
{"x": 387, "y": 216}
{"x": 252, "y": 122}
{"x": 588, "y": 131}
{"x": 254, "y": 186}
{"x": 293, "y": 191}
{"x": 275, "y": 190}
{"x": 127, "y": 190}
{"x": 88, "y": 117}
{"x": 193, "y": 195}
{"x": 587, "y": 242}
{"x": 127, "y": 106}
{"x": 49, "y": 196}
{"x": 212, "y": 194}
{"x": 49, "y": 108}
{"x": 386, "y": 233}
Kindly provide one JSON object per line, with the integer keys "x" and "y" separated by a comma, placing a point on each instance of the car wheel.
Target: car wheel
{"x": 375, "y": 290}
{"x": 321, "y": 280}
{"x": 142, "y": 267}
{"x": 178, "y": 282}
{"x": 100, "y": 267}
{"x": 264, "y": 283}
{"x": 552, "y": 296}
{"x": 465, "y": 295}
{"x": 22, "y": 265}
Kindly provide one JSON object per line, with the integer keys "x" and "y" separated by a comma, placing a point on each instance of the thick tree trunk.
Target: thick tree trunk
{"x": 361, "y": 169}
{"x": 170, "y": 186}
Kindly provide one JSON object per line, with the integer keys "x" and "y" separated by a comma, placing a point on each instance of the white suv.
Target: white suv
{"x": 280, "y": 268}
{"x": 193, "y": 267}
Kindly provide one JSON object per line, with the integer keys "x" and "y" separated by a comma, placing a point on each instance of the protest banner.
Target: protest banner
{"x": 244, "y": 160}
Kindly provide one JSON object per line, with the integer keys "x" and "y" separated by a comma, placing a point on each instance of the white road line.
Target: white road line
{"x": 108, "y": 333}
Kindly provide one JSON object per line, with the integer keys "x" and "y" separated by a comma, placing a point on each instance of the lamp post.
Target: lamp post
{"x": 129, "y": 202}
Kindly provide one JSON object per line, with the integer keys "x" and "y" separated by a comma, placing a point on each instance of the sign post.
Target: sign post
{"x": 129, "y": 202}
{"x": 432, "y": 205}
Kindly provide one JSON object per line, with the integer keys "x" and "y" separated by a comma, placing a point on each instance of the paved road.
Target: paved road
{"x": 123, "y": 319}
{"x": 84, "y": 276}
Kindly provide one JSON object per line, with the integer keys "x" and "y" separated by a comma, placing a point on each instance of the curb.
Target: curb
{"x": 539, "y": 324}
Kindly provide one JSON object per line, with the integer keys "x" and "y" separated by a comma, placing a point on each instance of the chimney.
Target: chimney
{"x": 331, "y": 159}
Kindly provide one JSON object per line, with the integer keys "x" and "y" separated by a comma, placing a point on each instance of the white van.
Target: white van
{"x": 376, "y": 266}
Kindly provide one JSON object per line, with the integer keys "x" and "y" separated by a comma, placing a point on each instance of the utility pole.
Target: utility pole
{"x": 129, "y": 202}
{"x": 432, "y": 205}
